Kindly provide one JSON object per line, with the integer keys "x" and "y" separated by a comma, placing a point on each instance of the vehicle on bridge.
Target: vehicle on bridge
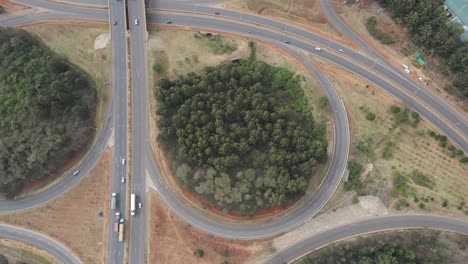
{"x": 132, "y": 204}
{"x": 114, "y": 201}
{"x": 121, "y": 229}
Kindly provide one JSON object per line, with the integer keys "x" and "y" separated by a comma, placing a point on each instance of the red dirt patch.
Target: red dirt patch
{"x": 173, "y": 241}
{"x": 11, "y": 7}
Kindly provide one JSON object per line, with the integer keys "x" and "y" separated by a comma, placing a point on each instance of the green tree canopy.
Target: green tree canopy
{"x": 44, "y": 106}
{"x": 248, "y": 124}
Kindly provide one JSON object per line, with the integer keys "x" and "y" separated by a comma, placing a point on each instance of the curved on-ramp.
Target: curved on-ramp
{"x": 40, "y": 241}
{"x": 377, "y": 224}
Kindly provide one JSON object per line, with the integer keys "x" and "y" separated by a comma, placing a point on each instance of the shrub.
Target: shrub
{"x": 395, "y": 109}
{"x": 199, "y": 253}
{"x": 421, "y": 205}
{"x": 323, "y": 101}
{"x": 158, "y": 68}
{"x": 384, "y": 38}
{"x": 445, "y": 203}
{"x": 370, "y": 116}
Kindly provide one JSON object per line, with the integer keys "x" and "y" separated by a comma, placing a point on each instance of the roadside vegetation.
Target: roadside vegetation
{"x": 45, "y": 107}
{"x": 2, "y": 10}
{"x": 217, "y": 44}
{"x": 427, "y": 25}
{"x": 371, "y": 25}
{"x": 412, "y": 247}
{"x": 242, "y": 134}
{"x": 396, "y": 155}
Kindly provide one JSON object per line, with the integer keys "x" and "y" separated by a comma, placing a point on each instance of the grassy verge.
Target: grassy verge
{"x": 15, "y": 252}
{"x": 73, "y": 218}
{"x": 305, "y": 12}
{"x": 421, "y": 246}
{"x": 400, "y": 161}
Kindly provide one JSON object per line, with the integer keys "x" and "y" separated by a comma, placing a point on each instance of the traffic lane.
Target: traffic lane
{"x": 459, "y": 137}
{"x": 139, "y": 94}
{"x": 61, "y": 7}
{"x": 40, "y": 241}
{"x": 114, "y": 249}
{"x": 119, "y": 79}
{"x": 367, "y": 226}
{"x": 394, "y": 74}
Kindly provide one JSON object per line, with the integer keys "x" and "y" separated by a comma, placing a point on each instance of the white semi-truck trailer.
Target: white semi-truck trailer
{"x": 132, "y": 204}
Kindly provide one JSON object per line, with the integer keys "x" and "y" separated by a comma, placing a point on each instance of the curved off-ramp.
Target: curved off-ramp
{"x": 377, "y": 224}
{"x": 40, "y": 241}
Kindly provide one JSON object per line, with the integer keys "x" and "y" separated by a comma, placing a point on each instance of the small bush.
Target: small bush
{"x": 383, "y": 37}
{"x": 464, "y": 160}
{"x": 445, "y": 203}
{"x": 395, "y": 109}
{"x": 370, "y": 116}
{"x": 199, "y": 253}
{"x": 323, "y": 102}
{"x": 421, "y": 205}
{"x": 158, "y": 68}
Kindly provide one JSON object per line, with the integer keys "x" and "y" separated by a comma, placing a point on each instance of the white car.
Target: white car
{"x": 136, "y": 21}
{"x": 123, "y": 179}
{"x": 318, "y": 49}
{"x": 76, "y": 172}
{"x": 139, "y": 205}
{"x": 340, "y": 50}
{"x": 123, "y": 161}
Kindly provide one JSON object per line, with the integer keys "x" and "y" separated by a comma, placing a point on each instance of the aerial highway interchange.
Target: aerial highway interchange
{"x": 200, "y": 15}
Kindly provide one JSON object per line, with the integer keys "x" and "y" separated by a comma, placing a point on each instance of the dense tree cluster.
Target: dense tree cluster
{"x": 243, "y": 134}
{"x": 426, "y": 21}
{"x": 44, "y": 107}
{"x": 409, "y": 248}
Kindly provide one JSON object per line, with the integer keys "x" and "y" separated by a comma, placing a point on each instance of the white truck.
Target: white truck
{"x": 113, "y": 201}
{"x": 132, "y": 204}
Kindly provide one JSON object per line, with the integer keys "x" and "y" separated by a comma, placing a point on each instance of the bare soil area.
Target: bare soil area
{"x": 178, "y": 52}
{"x": 17, "y": 252}
{"x": 411, "y": 149}
{"x": 435, "y": 75}
{"x": 171, "y": 240}
{"x": 73, "y": 218}
{"x": 10, "y": 7}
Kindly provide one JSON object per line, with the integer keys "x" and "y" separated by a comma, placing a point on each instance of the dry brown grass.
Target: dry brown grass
{"x": 11, "y": 7}
{"x": 73, "y": 218}
{"x": 16, "y": 251}
{"x": 302, "y": 12}
{"x": 413, "y": 150}
{"x": 171, "y": 240}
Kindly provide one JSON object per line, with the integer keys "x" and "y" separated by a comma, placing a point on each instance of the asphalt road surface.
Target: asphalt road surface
{"x": 40, "y": 241}
{"x": 140, "y": 129}
{"x": 330, "y": 236}
{"x": 450, "y": 122}
{"x": 283, "y": 32}
{"x": 116, "y": 249}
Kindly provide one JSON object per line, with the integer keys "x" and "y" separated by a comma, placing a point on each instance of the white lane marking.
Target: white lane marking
{"x": 149, "y": 182}
{"x": 110, "y": 143}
